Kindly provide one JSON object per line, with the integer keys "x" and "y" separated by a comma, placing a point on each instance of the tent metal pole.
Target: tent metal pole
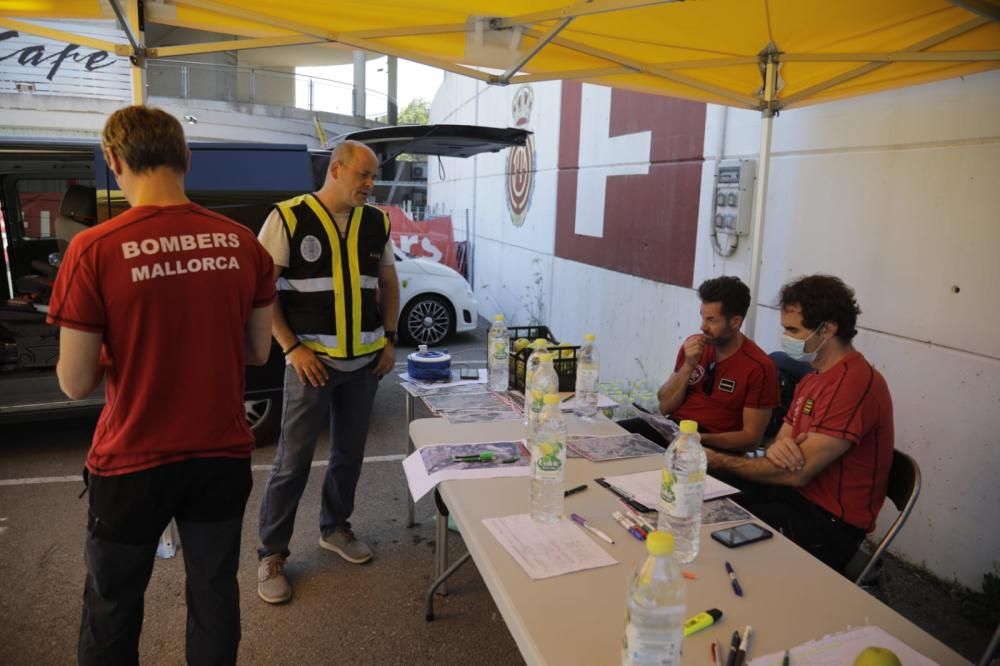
{"x": 133, "y": 25}
{"x": 516, "y": 67}
{"x": 760, "y": 192}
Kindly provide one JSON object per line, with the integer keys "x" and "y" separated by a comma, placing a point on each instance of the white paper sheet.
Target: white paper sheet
{"x": 429, "y": 465}
{"x": 842, "y": 648}
{"x": 603, "y": 401}
{"x": 645, "y": 487}
{"x": 545, "y": 550}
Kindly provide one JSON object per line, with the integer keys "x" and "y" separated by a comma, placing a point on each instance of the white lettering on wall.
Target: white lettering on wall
{"x": 602, "y": 156}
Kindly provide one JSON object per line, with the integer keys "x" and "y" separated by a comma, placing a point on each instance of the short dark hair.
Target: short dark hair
{"x": 728, "y": 290}
{"x": 145, "y": 138}
{"x": 823, "y": 298}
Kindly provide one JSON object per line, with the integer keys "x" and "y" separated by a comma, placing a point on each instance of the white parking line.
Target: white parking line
{"x": 42, "y": 480}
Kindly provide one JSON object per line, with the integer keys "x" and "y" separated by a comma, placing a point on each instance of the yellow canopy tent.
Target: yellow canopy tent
{"x": 767, "y": 55}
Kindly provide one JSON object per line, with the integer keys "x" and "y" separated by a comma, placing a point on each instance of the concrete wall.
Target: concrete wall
{"x": 893, "y": 192}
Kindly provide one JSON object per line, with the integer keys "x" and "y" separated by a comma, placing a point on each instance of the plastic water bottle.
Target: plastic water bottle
{"x": 544, "y": 382}
{"x": 588, "y": 372}
{"x": 539, "y": 346}
{"x": 682, "y": 490}
{"x": 654, "y": 615}
{"x": 498, "y": 368}
{"x": 548, "y": 461}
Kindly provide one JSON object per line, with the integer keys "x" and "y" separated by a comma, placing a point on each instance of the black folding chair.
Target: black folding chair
{"x": 903, "y": 490}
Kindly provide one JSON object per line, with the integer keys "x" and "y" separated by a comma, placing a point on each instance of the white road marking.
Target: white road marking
{"x": 42, "y": 480}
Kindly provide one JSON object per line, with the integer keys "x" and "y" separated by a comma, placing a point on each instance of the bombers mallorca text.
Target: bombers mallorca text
{"x": 182, "y": 243}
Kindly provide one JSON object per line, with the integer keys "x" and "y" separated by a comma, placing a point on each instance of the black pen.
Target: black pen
{"x": 741, "y": 654}
{"x": 573, "y": 491}
{"x": 569, "y": 397}
{"x": 734, "y": 646}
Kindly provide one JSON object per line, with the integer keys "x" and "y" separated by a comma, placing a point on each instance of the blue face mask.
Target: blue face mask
{"x": 796, "y": 348}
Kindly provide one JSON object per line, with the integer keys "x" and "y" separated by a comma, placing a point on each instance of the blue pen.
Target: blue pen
{"x": 732, "y": 577}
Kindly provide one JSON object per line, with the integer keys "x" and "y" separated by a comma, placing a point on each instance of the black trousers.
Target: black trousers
{"x": 812, "y": 528}
{"x": 128, "y": 513}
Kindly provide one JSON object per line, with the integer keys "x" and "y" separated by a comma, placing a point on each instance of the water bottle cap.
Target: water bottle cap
{"x": 589, "y": 337}
{"x": 689, "y": 426}
{"x": 498, "y": 317}
{"x": 551, "y": 399}
{"x": 659, "y": 543}
{"x": 545, "y": 356}
{"x": 541, "y": 342}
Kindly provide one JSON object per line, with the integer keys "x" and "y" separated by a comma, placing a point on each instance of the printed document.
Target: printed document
{"x": 545, "y": 550}
{"x": 429, "y": 465}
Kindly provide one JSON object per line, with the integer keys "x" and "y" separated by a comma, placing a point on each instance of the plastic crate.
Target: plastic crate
{"x": 565, "y": 363}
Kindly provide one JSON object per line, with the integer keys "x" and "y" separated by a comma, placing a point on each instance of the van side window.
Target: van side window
{"x": 38, "y": 202}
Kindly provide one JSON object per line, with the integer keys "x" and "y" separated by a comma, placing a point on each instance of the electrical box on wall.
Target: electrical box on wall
{"x": 733, "y": 202}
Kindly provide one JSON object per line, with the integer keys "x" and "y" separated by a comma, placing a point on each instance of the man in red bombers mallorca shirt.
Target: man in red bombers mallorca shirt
{"x": 721, "y": 379}
{"x": 166, "y": 303}
{"x": 823, "y": 480}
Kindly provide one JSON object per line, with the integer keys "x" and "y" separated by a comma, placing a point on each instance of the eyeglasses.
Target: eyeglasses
{"x": 708, "y": 384}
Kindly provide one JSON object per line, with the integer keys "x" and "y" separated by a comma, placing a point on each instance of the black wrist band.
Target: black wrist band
{"x": 289, "y": 350}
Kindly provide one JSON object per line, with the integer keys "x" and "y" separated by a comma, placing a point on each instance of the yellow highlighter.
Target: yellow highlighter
{"x": 702, "y": 621}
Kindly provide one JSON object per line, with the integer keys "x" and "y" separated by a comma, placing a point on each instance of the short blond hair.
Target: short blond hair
{"x": 145, "y": 138}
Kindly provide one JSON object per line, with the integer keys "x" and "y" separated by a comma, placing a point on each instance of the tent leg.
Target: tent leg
{"x": 760, "y": 196}
{"x": 133, "y": 25}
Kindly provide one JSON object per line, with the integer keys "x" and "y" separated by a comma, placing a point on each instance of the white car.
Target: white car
{"x": 435, "y": 301}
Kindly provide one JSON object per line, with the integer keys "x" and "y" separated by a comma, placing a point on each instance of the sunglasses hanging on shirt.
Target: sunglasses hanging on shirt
{"x": 708, "y": 384}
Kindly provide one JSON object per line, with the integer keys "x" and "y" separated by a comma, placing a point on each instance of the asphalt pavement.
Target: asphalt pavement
{"x": 340, "y": 613}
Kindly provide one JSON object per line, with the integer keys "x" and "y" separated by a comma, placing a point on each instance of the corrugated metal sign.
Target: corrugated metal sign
{"x": 40, "y": 66}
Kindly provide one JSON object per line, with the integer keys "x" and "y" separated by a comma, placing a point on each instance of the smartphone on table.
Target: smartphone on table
{"x": 741, "y": 535}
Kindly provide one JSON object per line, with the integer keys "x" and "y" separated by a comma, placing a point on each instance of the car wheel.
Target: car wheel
{"x": 427, "y": 320}
{"x": 264, "y": 418}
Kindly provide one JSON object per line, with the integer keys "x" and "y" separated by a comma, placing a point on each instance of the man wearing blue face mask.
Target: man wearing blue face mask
{"x": 823, "y": 480}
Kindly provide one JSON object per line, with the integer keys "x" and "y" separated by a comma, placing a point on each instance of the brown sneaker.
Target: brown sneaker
{"x": 272, "y": 586}
{"x": 343, "y": 542}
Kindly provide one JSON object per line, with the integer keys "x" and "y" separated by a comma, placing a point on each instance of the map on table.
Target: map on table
{"x": 429, "y": 465}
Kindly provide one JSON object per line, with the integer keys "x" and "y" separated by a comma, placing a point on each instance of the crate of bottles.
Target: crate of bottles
{"x": 563, "y": 356}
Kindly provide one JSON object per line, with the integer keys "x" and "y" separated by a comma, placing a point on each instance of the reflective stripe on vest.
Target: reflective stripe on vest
{"x": 308, "y": 284}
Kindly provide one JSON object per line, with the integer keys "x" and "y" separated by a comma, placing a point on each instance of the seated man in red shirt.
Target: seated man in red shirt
{"x": 721, "y": 378}
{"x": 824, "y": 478}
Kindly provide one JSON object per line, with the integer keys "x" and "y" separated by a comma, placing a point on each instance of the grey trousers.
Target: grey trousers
{"x": 345, "y": 402}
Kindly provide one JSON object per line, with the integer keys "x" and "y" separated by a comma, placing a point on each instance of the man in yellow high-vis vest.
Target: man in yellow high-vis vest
{"x": 338, "y": 300}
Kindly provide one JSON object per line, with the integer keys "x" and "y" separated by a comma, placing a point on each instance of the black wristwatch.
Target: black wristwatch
{"x": 391, "y": 336}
